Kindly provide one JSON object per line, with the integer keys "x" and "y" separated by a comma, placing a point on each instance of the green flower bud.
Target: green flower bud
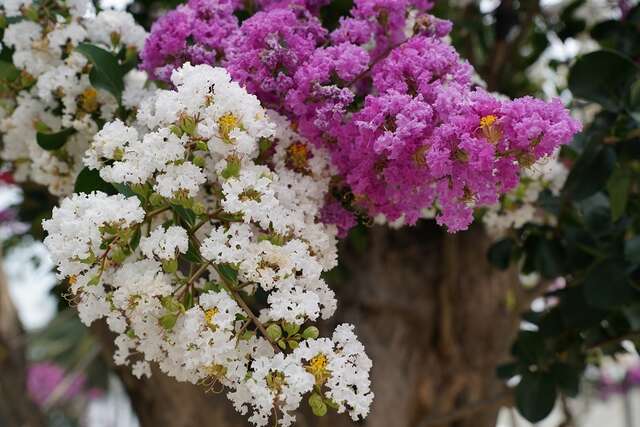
{"x": 177, "y": 131}
{"x": 168, "y": 321}
{"x": 232, "y": 169}
{"x": 202, "y": 146}
{"x": 198, "y": 161}
{"x": 118, "y": 154}
{"x": 293, "y": 344}
{"x": 290, "y": 328}
{"x": 188, "y": 125}
{"x": 171, "y": 304}
{"x": 311, "y": 333}
{"x": 274, "y": 332}
{"x": 170, "y": 265}
{"x": 318, "y": 407}
{"x": 198, "y": 208}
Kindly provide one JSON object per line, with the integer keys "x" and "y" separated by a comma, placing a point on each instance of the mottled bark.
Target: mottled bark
{"x": 16, "y": 409}
{"x": 435, "y": 317}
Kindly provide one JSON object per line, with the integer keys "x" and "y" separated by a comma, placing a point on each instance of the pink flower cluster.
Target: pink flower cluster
{"x": 196, "y": 32}
{"x": 387, "y": 96}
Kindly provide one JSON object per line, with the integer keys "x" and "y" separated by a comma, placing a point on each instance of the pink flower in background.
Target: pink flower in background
{"x": 43, "y": 378}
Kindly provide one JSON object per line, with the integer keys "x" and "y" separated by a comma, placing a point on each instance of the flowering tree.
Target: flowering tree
{"x": 203, "y": 192}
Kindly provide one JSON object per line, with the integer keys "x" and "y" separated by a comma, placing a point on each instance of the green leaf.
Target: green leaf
{"x": 499, "y": 254}
{"x": 135, "y": 239}
{"x": 535, "y": 396}
{"x": 618, "y": 187}
{"x": 228, "y": 273}
{"x": 106, "y": 72}
{"x": 632, "y": 250}
{"x": 187, "y": 215}
{"x": 192, "y": 253}
{"x": 89, "y": 180}
{"x": 8, "y": 71}
{"x": 123, "y": 189}
{"x": 607, "y": 285}
{"x": 604, "y": 77}
{"x": 591, "y": 172}
{"x": 54, "y": 141}
{"x": 567, "y": 377}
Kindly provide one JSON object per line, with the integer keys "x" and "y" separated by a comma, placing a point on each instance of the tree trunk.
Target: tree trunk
{"x": 435, "y": 318}
{"x": 16, "y": 409}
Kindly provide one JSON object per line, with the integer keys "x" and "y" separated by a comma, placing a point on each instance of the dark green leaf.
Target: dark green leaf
{"x": 591, "y": 172}
{"x": 89, "y": 180}
{"x": 106, "y": 72}
{"x": 632, "y": 250}
{"x": 567, "y": 377}
{"x": 618, "y": 187}
{"x": 192, "y": 253}
{"x": 603, "y": 77}
{"x": 535, "y": 396}
{"x": 54, "y": 141}
{"x": 135, "y": 239}
{"x": 187, "y": 215}
{"x": 8, "y": 71}
{"x": 228, "y": 273}
{"x": 607, "y": 285}
{"x": 124, "y": 190}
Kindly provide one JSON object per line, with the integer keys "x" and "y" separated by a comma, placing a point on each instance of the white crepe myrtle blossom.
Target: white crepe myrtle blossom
{"x": 50, "y": 92}
{"x": 518, "y": 207}
{"x": 223, "y": 200}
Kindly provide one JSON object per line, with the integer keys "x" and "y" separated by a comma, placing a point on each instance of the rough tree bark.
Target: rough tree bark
{"x": 16, "y": 409}
{"x": 435, "y": 317}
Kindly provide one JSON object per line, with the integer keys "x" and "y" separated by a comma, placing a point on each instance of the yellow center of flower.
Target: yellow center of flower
{"x": 208, "y": 317}
{"x": 89, "y": 100}
{"x": 298, "y": 157}
{"x": 318, "y": 368}
{"x": 226, "y": 124}
{"x": 276, "y": 381}
{"x": 490, "y": 128}
{"x": 215, "y": 370}
{"x": 487, "y": 121}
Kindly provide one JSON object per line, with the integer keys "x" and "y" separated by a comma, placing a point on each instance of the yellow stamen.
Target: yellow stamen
{"x": 298, "y": 155}
{"x": 73, "y": 280}
{"x": 226, "y": 124}
{"x": 318, "y": 368}
{"x": 487, "y": 121}
{"x": 215, "y": 370}
{"x": 89, "y": 100}
{"x": 490, "y": 128}
{"x": 208, "y": 317}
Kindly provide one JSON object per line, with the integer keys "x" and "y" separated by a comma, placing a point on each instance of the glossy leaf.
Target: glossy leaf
{"x": 54, "y": 141}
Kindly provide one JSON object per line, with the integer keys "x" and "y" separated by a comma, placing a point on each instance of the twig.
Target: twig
{"x": 236, "y": 296}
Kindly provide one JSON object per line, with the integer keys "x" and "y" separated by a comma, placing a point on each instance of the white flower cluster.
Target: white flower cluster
{"x": 212, "y": 266}
{"x": 51, "y": 91}
{"x": 518, "y": 207}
